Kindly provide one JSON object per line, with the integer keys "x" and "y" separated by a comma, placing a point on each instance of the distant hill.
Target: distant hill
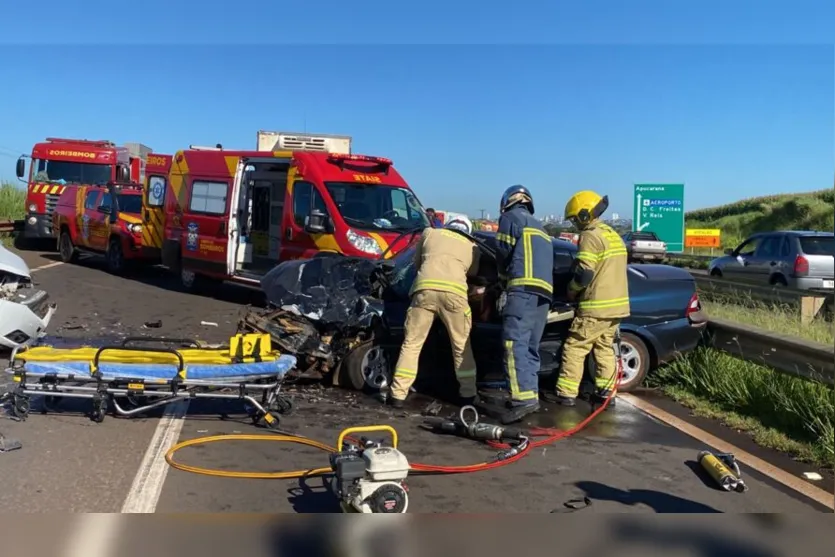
{"x": 795, "y": 211}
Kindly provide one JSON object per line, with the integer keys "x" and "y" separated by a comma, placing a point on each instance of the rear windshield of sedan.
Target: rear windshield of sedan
{"x": 817, "y": 245}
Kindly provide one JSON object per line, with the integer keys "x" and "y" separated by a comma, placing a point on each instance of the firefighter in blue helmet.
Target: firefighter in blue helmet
{"x": 526, "y": 261}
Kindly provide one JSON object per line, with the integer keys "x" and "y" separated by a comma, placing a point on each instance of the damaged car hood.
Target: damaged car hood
{"x": 331, "y": 291}
{"x": 13, "y": 264}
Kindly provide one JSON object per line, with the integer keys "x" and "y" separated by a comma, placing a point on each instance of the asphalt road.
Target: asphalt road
{"x": 626, "y": 461}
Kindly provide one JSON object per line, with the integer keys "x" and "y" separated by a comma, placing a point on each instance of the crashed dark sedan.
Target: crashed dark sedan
{"x": 343, "y": 318}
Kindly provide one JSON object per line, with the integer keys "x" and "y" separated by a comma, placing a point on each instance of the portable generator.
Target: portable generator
{"x": 369, "y": 476}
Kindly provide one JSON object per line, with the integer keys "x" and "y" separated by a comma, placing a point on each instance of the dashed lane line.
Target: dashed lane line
{"x": 47, "y": 266}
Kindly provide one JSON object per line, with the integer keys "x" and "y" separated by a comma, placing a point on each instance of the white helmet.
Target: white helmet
{"x": 461, "y": 223}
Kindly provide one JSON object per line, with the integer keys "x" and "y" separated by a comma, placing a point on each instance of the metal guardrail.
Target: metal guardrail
{"x": 790, "y": 355}
{"x": 809, "y": 302}
{"x": 9, "y": 226}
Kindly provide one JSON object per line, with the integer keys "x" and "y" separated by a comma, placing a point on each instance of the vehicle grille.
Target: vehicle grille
{"x": 50, "y": 203}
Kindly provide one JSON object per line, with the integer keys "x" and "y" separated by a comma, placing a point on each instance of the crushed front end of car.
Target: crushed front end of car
{"x": 25, "y": 311}
{"x": 320, "y": 309}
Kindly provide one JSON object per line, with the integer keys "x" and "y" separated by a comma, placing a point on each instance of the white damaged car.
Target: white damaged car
{"x": 25, "y": 311}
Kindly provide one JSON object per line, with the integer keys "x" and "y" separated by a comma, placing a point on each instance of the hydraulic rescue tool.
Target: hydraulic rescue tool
{"x": 479, "y": 431}
{"x": 724, "y": 470}
{"x": 370, "y": 478}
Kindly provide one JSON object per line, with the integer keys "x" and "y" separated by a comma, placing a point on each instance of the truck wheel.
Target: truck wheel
{"x": 115, "y": 257}
{"x": 195, "y": 283}
{"x": 66, "y": 248}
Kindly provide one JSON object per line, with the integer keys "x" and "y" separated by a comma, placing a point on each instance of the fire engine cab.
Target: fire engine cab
{"x": 233, "y": 215}
{"x": 103, "y": 220}
{"x": 57, "y": 163}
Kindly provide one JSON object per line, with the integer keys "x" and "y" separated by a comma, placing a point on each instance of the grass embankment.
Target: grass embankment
{"x": 780, "y": 412}
{"x": 798, "y": 211}
{"x": 12, "y": 205}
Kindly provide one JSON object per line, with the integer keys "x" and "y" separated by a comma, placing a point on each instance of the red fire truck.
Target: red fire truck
{"x": 233, "y": 215}
{"x": 58, "y": 162}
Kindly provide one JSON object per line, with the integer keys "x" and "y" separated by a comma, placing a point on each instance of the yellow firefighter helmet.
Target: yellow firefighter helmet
{"x": 585, "y": 206}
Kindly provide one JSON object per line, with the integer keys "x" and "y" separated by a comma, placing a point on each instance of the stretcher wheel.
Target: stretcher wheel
{"x": 21, "y": 407}
{"x": 282, "y": 405}
{"x": 270, "y": 420}
{"x": 99, "y": 411}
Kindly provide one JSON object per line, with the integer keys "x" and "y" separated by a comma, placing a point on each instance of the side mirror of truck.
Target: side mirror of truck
{"x": 103, "y": 209}
{"x": 316, "y": 223}
{"x": 123, "y": 174}
{"x": 20, "y": 167}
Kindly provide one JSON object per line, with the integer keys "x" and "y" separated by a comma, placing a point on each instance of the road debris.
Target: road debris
{"x": 7, "y": 444}
{"x": 153, "y": 324}
{"x": 208, "y": 323}
{"x": 812, "y": 476}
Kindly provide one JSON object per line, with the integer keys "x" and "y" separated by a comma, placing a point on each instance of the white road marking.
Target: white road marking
{"x": 812, "y": 492}
{"x": 93, "y": 535}
{"x": 147, "y": 485}
{"x": 47, "y": 266}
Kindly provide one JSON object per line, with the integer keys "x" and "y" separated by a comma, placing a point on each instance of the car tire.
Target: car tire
{"x": 636, "y": 361}
{"x": 366, "y": 368}
{"x": 716, "y": 273}
{"x": 66, "y": 248}
{"x": 115, "y": 257}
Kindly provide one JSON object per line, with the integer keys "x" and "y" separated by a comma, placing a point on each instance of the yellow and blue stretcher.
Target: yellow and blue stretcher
{"x": 143, "y": 373}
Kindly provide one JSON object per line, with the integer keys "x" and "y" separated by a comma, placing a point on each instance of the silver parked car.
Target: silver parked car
{"x": 800, "y": 259}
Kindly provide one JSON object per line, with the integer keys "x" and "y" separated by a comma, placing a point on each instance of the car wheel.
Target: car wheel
{"x": 367, "y": 367}
{"x": 66, "y": 248}
{"x": 636, "y": 361}
{"x": 716, "y": 273}
{"x": 115, "y": 257}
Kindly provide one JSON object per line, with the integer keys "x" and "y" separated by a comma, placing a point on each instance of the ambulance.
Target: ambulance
{"x": 233, "y": 215}
{"x": 157, "y": 168}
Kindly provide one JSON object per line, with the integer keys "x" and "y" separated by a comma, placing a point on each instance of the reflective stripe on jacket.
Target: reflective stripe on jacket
{"x": 525, "y": 253}
{"x": 602, "y": 253}
{"x": 444, "y": 258}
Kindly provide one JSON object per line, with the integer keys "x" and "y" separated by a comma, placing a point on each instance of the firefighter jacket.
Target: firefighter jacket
{"x": 600, "y": 277}
{"x": 525, "y": 253}
{"x": 444, "y": 258}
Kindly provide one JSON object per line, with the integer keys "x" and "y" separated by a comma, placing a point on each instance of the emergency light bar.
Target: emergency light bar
{"x": 98, "y": 142}
{"x": 339, "y": 157}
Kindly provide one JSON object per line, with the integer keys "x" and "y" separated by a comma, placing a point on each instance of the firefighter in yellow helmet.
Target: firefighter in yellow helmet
{"x": 599, "y": 286}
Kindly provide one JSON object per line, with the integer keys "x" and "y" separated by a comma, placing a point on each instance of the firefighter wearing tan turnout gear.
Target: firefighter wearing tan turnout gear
{"x": 600, "y": 287}
{"x": 444, "y": 259}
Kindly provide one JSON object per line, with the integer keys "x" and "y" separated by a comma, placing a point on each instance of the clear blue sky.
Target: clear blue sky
{"x": 461, "y": 122}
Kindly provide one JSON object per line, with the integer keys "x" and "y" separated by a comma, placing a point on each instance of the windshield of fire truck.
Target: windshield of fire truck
{"x": 71, "y": 172}
{"x": 377, "y": 206}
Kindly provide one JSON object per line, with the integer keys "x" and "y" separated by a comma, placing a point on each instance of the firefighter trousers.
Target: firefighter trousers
{"x": 588, "y": 335}
{"x": 454, "y": 311}
{"x": 523, "y": 321}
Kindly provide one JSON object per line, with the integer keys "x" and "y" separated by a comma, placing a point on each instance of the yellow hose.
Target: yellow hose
{"x": 294, "y": 474}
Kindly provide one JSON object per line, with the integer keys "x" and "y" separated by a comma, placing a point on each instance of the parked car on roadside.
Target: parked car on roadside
{"x": 644, "y": 246}
{"x": 358, "y": 310}
{"x": 795, "y": 258}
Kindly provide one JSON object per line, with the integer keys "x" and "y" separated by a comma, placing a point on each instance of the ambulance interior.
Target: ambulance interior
{"x": 260, "y": 210}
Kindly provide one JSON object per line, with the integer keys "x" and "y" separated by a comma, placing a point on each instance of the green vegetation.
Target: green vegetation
{"x": 12, "y": 205}
{"x": 800, "y": 211}
{"x": 780, "y": 412}
{"x": 782, "y": 319}
{"x": 12, "y": 202}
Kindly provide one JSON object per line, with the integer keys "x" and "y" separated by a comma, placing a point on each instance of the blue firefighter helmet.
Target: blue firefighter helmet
{"x": 514, "y": 195}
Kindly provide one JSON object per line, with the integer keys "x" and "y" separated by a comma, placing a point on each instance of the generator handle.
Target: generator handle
{"x": 364, "y": 429}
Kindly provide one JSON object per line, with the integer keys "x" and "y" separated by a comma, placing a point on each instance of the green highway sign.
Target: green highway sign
{"x": 659, "y": 208}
